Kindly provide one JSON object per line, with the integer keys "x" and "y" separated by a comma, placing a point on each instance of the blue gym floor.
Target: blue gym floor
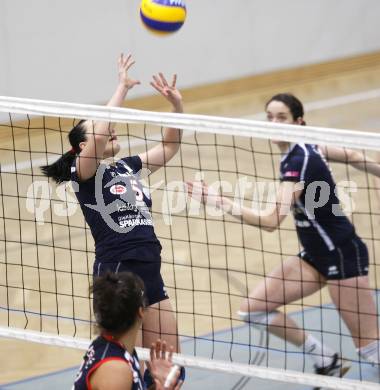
{"x": 226, "y": 344}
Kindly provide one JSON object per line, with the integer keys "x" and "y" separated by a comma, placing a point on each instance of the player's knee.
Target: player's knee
{"x": 253, "y": 303}
{"x": 257, "y": 318}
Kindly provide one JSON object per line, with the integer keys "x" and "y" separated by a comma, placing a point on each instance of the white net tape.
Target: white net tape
{"x": 201, "y": 123}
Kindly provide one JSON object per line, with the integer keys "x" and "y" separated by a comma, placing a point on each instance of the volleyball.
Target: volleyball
{"x": 163, "y": 16}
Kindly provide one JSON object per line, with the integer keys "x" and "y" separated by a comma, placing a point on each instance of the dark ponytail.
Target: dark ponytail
{"x": 294, "y": 104}
{"x": 117, "y": 300}
{"x": 60, "y": 170}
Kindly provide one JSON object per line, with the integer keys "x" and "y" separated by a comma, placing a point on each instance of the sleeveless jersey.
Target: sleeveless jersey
{"x": 101, "y": 350}
{"x": 320, "y": 229}
{"x": 116, "y": 207}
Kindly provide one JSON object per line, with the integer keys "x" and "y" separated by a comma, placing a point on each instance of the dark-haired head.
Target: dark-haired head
{"x": 60, "y": 170}
{"x": 285, "y": 108}
{"x": 118, "y": 299}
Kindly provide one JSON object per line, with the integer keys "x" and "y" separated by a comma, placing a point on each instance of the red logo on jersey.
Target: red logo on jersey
{"x": 118, "y": 189}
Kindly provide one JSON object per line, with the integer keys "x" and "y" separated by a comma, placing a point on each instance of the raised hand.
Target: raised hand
{"x": 168, "y": 91}
{"x": 124, "y": 63}
{"x": 160, "y": 365}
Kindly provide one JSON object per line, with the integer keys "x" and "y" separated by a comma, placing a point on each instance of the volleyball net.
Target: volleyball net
{"x": 210, "y": 260}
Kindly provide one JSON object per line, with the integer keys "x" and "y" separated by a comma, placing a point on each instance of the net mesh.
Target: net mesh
{"x": 210, "y": 260}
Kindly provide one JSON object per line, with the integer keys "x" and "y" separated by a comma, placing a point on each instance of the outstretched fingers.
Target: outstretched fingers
{"x": 156, "y": 83}
{"x": 170, "y": 356}
{"x": 163, "y": 350}
{"x": 174, "y": 81}
{"x": 163, "y": 79}
{"x": 128, "y": 62}
{"x": 125, "y": 61}
{"x": 158, "y": 349}
{"x": 169, "y": 91}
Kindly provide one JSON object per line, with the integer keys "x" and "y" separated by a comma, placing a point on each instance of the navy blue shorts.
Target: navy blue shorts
{"x": 149, "y": 272}
{"x": 346, "y": 261}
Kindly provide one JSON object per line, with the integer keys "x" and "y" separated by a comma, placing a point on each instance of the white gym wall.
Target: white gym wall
{"x": 67, "y": 50}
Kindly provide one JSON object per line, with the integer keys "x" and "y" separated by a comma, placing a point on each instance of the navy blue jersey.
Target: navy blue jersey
{"x": 320, "y": 229}
{"x": 116, "y": 207}
{"x": 101, "y": 350}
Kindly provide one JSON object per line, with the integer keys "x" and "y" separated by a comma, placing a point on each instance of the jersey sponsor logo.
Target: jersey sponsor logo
{"x": 135, "y": 222}
{"x": 123, "y": 207}
{"x": 128, "y": 188}
{"x": 118, "y": 189}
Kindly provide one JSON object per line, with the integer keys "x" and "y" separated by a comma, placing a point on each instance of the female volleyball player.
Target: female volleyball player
{"x": 111, "y": 362}
{"x": 115, "y": 204}
{"x": 332, "y": 254}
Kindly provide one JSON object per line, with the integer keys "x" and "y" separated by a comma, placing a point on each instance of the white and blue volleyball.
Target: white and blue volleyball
{"x": 163, "y": 16}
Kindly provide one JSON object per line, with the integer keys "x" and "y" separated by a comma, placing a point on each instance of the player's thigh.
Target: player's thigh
{"x": 160, "y": 322}
{"x": 353, "y": 296}
{"x": 356, "y": 304}
{"x": 288, "y": 282}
